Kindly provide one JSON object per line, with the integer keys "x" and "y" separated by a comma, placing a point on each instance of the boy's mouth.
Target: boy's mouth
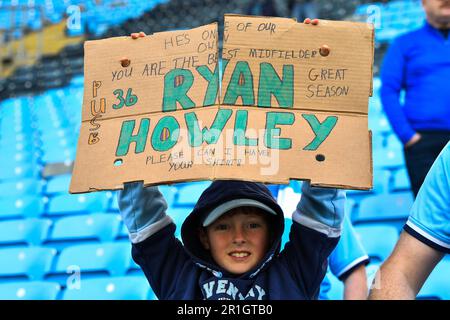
{"x": 239, "y": 254}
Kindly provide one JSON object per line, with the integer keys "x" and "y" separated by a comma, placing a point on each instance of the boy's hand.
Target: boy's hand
{"x": 136, "y": 35}
{"x": 314, "y": 22}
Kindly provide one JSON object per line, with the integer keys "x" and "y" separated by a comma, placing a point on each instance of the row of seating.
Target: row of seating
{"x": 103, "y": 288}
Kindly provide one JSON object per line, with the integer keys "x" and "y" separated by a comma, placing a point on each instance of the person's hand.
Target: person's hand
{"x": 415, "y": 138}
{"x": 136, "y": 35}
{"x": 314, "y": 22}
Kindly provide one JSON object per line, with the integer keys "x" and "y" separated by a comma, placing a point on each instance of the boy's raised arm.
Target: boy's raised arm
{"x": 143, "y": 210}
{"x": 321, "y": 209}
{"x": 314, "y": 234}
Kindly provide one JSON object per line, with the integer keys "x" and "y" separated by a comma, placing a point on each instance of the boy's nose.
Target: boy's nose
{"x": 238, "y": 236}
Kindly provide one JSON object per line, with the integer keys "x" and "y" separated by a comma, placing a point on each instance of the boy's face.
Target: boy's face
{"x": 238, "y": 240}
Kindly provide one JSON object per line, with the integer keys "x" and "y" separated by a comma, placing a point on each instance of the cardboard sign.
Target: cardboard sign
{"x": 290, "y": 102}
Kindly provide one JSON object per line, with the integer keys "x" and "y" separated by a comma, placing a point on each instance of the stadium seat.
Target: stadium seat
{"x": 92, "y": 227}
{"x": 112, "y": 288}
{"x": 188, "y": 193}
{"x": 25, "y": 263}
{"x": 34, "y": 290}
{"x": 123, "y": 232}
{"x": 393, "y": 206}
{"x": 20, "y": 187}
{"x": 21, "y": 207}
{"x": 178, "y": 216}
{"x": 109, "y": 258}
{"x": 379, "y": 124}
{"x": 401, "y": 180}
{"x": 394, "y": 143}
{"x": 337, "y": 288}
{"x": 66, "y": 204}
{"x": 438, "y": 283}
{"x": 388, "y": 159}
{"x": 287, "y": 229}
{"x": 22, "y": 170}
{"x": 377, "y": 239}
{"x": 58, "y": 184}
{"x": 31, "y": 231}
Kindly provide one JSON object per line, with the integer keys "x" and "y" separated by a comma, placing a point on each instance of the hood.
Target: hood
{"x": 219, "y": 192}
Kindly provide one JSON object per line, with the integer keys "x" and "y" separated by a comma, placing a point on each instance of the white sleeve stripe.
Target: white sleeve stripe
{"x": 316, "y": 225}
{"x": 427, "y": 235}
{"x": 146, "y": 232}
{"x": 351, "y": 265}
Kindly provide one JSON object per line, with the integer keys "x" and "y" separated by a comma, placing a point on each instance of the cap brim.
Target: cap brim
{"x": 227, "y": 206}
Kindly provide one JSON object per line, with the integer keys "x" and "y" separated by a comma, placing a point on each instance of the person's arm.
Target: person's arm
{"x": 314, "y": 233}
{"x": 425, "y": 239}
{"x": 152, "y": 233}
{"x": 355, "y": 284}
{"x": 393, "y": 73}
{"x": 402, "y": 275}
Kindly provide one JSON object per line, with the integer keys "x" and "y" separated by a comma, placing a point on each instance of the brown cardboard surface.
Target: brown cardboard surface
{"x": 133, "y": 129}
{"x": 340, "y": 81}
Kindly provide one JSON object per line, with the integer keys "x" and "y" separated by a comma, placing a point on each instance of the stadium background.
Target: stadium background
{"x": 54, "y": 245}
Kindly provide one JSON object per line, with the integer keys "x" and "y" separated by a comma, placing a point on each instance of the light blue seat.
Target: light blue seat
{"x": 178, "y": 216}
{"x": 188, "y": 193}
{"x": 401, "y": 180}
{"x": 34, "y": 290}
{"x": 381, "y": 182}
{"x": 438, "y": 283}
{"x": 123, "y": 231}
{"x": 336, "y": 288}
{"x": 112, "y": 288}
{"x": 393, "y": 206}
{"x": 98, "y": 226}
{"x": 27, "y": 262}
{"x": 66, "y": 204}
{"x": 59, "y": 155}
{"x": 21, "y": 207}
{"x": 31, "y": 231}
{"x": 394, "y": 143}
{"x": 388, "y": 159}
{"x": 287, "y": 228}
{"x": 377, "y": 239}
{"x": 58, "y": 184}
{"x": 112, "y": 258}
{"x": 168, "y": 192}
{"x": 20, "y": 187}
{"x": 379, "y": 124}
{"x": 22, "y": 170}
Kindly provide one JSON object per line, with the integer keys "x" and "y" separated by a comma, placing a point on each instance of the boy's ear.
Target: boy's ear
{"x": 203, "y": 238}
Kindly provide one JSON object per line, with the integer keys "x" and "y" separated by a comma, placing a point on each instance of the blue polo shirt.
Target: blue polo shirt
{"x": 348, "y": 254}
{"x": 429, "y": 220}
{"x": 419, "y": 63}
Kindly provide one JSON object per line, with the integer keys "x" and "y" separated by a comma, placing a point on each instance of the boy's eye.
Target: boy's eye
{"x": 221, "y": 227}
{"x": 254, "y": 225}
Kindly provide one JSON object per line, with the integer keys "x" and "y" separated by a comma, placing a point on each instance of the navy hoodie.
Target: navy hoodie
{"x": 177, "y": 271}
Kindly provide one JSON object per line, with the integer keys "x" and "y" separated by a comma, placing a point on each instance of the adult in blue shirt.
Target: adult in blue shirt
{"x": 425, "y": 240}
{"x": 348, "y": 263}
{"x": 419, "y": 63}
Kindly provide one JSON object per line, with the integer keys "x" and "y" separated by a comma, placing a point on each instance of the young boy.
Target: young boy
{"x": 232, "y": 242}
